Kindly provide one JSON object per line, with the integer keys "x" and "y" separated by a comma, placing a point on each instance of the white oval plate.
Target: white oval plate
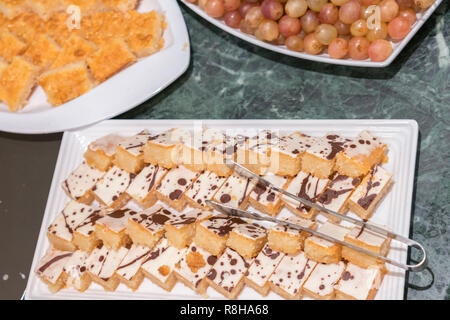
{"x": 120, "y": 93}
{"x": 324, "y": 57}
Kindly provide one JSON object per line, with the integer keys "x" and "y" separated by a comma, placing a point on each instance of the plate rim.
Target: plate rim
{"x": 138, "y": 123}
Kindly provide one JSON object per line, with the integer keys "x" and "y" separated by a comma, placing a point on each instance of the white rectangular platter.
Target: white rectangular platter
{"x": 118, "y": 94}
{"x": 394, "y": 210}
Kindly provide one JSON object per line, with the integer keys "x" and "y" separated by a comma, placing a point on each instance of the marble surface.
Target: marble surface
{"x": 229, "y": 78}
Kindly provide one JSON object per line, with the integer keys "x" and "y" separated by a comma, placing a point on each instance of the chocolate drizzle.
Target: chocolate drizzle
{"x": 367, "y": 199}
{"x": 52, "y": 261}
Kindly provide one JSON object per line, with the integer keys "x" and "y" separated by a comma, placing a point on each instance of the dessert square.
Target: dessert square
{"x": 60, "y": 232}
{"x": 84, "y": 236}
{"x": 289, "y": 240}
{"x": 42, "y": 51}
{"x": 102, "y": 265}
{"x": 122, "y": 5}
{"x": 10, "y": 46}
{"x": 180, "y": 230}
{"x": 360, "y": 155}
{"x": 130, "y": 152}
{"x": 86, "y": 6}
{"x": 322, "y": 250}
{"x": 110, "y": 190}
{"x": 66, "y": 83}
{"x": 290, "y": 274}
{"x": 12, "y": 8}
{"x": 142, "y": 188}
{"x": 129, "y": 271}
{"x": 193, "y": 267}
{"x": 203, "y": 188}
{"x": 286, "y": 154}
{"x": 368, "y": 240}
{"x": 192, "y": 148}
{"x": 369, "y": 193}
{"x": 17, "y": 82}
{"x": 247, "y": 239}
{"x": 305, "y": 186}
{"x": 265, "y": 199}
{"x": 76, "y": 271}
{"x": 319, "y": 159}
{"x": 51, "y": 268}
{"x": 234, "y": 192}
{"x": 265, "y": 263}
{"x": 162, "y": 150}
{"x": 80, "y": 183}
{"x": 321, "y": 282}
{"x": 45, "y": 8}
{"x": 75, "y": 49}
{"x": 111, "y": 228}
{"x": 160, "y": 263}
{"x": 109, "y": 59}
{"x": 100, "y": 153}
{"x": 212, "y": 234}
{"x": 147, "y": 227}
{"x": 336, "y": 195}
{"x": 220, "y": 150}
{"x": 172, "y": 187}
{"x": 254, "y": 154}
{"x": 227, "y": 274}
{"x": 359, "y": 283}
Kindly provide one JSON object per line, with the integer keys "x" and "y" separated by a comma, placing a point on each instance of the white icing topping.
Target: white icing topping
{"x": 51, "y": 265}
{"x": 221, "y": 225}
{"x": 295, "y": 220}
{"x": 234, "y": 191}
{"x": 363, "y": 145}
{"x": 113, "y": 184}
{"x": 135, "y": 144}
{"x": 323, "y": 278}
{"x": 264, "y": 265}
{"x": 87, "y": 226}
{"x": 327, "y": 147}
{"x": 163, "y": 139}
{"x": 103, "y": 262}
{"x": 205, "y": 187}
{"x": 357, "y": 282}
{"x": 189, "y": 217}
{"x": 107, "y": 144}
{"x": 292, "y": 272}
{"x": 76, "y": 268}
{"x": 293, "y": 145}
{"x": 338, "y": 192}
{"x": 367, "y": 236}
{"x": 250, "y": 230}
{"x": 154, "y": 218}
{"x": 161, "y": 261}
{"x": 116, "y": 220}
{"x": 132, "y": 261}
{"x": 146, "y": 181}
{"x": 81, "y": 180}
{"x": 267, "y": 196}
{"x": 68, "y": 219}
{"x": 332, "y": 230}
{"x": 176, "y": 182}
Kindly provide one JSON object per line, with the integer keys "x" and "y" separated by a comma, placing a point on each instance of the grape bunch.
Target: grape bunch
{"x": 356, "y": 29}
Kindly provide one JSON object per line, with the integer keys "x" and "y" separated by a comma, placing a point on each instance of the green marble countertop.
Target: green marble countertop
{"x": 229, "y": 78}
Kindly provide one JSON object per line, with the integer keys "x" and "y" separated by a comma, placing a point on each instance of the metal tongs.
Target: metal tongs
{"x": 253, "y": 215}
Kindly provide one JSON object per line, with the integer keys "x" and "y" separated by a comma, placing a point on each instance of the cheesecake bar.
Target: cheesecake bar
{"x": 336, "y": 195}
{"x": 192, "y": 148}
{"x": 102, "y": 265}
{"x": 219, "y": 151}
{"x": 51, "y": 268}
{"x": 172, "y": 187}
{"x": 322, "y": 250}
{"x": 265, "y": 199}
{"x": 254, "y": 154}
{"x": 321, "y": 282}
{"x": 130, "y": 152}
{"x": 142, "y": 188}
{"x": 129, "y": 271}
{"x": 84, "y": 236}
{"x": 319, "y": 159}
{"x": 234, "y": 192}
{"x": 112, "y": 227}
{"x": 204, "y": 188}
{"x": 374, "y": 186}
{"x": 359, "y": 283}
{"x": 360, "y": 155}
{"x": 60, "y": 232}
{"x": 180, "y": 230}
{"x": 193, "y": 267}
{"x": 162, "y": 149}
{"x": 80, "y": 183}
{"x": 247, "y": 239}
{"x": 259, "y": 272}
{"x": 305, "y": 186}
{"x": 160, "y": 263}
{"x": 366, "y": 239}
{"x": 290, "y": 274}
{"x": 147, "y": 227}
{"x": 110, "y": 190}
{"x": 100, "y": 153}
{"x": 42, "y": 51}
{"x": 76, "y": 270}
{"x": 212, "y": 234}
{"x": 287, "y": 239}
{"x": 287, "y": 152}
{"x": 227, "y": 274}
